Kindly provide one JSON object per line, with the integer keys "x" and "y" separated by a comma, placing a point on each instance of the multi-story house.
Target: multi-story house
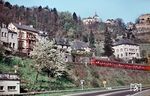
{"x": 12, "y": 40}
{"x": 8, "y": 38}
{"x": 26, "y": 35}
{"x": 63, "y": 45}
{"x": 4, "y": 35}
{"x": 42, "y": 36}
{"x": 80, "y": 51}
{"x": 9, "y": 84}
{"x": 144, "y": 49}
{"x": 143, "y": 27}
{"x": 126, "y": 49}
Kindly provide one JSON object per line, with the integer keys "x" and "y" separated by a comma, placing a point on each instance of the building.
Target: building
{"x": 144, "y": 49}
{"x": 80, "y": 51}
{"x": 12, "y": 40}
{"x": 27, "y": 36}
{"x": 9, "y": 84}
{"x": 111, "y": 22}
{"x": 144, "y": 19}
{"x": 91, "y": 20}
{"x": 42, "y": 36}
{"x": 64, "y": 46}
{"x": 8, "y": 38}
{"x": 4, "y": 35}
{"x": 143, "y": 27}
{"x": 126, "y": 49}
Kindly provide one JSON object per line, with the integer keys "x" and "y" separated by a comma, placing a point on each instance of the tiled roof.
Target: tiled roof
{"x": 25, "y": 27}
{"x": 124, "y": 41}
{"x": 6, "y": 76}
{"x": 62, "y": 41}
{"x": 77, "y": 45}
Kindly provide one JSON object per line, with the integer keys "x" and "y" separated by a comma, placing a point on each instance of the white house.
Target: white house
{"x": 42, "y": 36}
{"x": 126, "y": 49}
{"x": 8, "y": 38}
{"x": 12, "y": 40}
{"x": 26, "y": 36}
{"x": 4, "y": 34}
{"x": 9, "y": 84}
{"x": 63, "y": 45}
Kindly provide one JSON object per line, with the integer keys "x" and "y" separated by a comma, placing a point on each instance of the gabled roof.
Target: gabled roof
{"x": 125, "y": 42}
{"x": 7, "y": 76}
{"x": 25, "y": 27}
{"x": 62, "y": 41}
{"x": 77, "y": 45}
{"x": 9, "y": 31}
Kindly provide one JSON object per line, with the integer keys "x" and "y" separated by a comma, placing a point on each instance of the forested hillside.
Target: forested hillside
{"x": 56, "y": 23}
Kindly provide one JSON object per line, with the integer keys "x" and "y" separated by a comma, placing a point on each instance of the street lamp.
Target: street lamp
{"x": 82, "y": 84}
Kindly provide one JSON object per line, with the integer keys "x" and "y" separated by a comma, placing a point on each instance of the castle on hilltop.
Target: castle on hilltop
{"x": 91, "y": 20}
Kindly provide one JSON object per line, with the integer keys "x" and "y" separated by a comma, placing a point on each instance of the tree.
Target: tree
{"x": 91, "y": 39}
{"x": 2, "y": 51}
{"x": 7, "y": 4}
{"x": 108, "y": 51}
{"x": 137, "y": 21}
{"x": 55, "y": 14}
{"x": 121, "y": 23}
{"x": 46, "y": 56}
{"x": 40, "y": 8}
{"x": 75, "y": 18}
{"x": 1, "y": 2}
{"x": 85, "y": 38}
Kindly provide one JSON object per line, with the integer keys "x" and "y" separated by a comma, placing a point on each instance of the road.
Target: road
{"x": 119, "y": 92}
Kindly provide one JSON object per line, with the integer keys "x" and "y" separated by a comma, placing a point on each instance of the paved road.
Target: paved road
{"x": 120, "y": 92}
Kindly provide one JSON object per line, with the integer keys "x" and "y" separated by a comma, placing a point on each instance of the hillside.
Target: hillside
{"x": 67, "y": 25}
{"x": 57, "y": 23}
{"x": 93, "y": 76}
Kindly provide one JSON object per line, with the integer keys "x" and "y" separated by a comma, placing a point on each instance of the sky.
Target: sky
{"x": 128, "y": 10}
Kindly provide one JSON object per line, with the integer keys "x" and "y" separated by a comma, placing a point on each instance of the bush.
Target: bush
{"x": 94, "y": 83}
{"x": 120, "y": 82}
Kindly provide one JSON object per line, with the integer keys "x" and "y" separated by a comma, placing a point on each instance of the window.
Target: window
{"x": 137, "y": 54}
{"x": 11, "y": 88}
{"x": 2, "y": 34}
{"x": 10, "y": 44}
{"x": 5, "y": 34}
{"x": 13, "y": 45}
{"x": 125, "y": 49}
{"x": 121, "y": 55}
{"x": 1, "y": 88}
{"x": 12, "y": 35}
{"x": 121, "y": 49}
{"x": 117, "y": 50}
{"x": 126, "y": 54}
{"x": 118, "y": 56}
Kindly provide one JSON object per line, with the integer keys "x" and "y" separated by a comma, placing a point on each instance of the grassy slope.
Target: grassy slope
{"x": 92, "y": 75}
{"x": 28, "y": 74}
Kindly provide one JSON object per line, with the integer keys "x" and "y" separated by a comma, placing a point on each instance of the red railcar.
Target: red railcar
{"x": 115, "y": 64}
